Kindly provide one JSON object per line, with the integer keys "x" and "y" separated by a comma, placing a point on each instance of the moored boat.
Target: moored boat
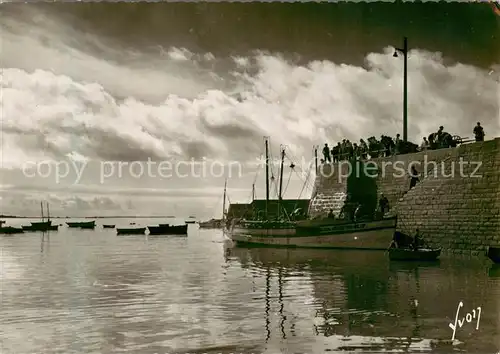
{"x": 44, "y": 225}
{"x": 40, "y": 227}
{"x": 493, "y": 253}
{"x": 190, "y": 221}
{"x": 131, "y": 231}
{"x": 217, "y": 223}
{"x": 371, "y": 235}
{"x": 81, "y": 224}
{"x": 211, "y": 224}
{"x": 11, "y": 230}
{"x": 271, "y": 231}
{"x": 408, "y": 254}
{"x": 166, "y": 229}
{"x": 108, "y": 226}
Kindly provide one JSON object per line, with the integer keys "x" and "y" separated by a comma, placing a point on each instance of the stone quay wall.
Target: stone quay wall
{"x": 456, "y": 203}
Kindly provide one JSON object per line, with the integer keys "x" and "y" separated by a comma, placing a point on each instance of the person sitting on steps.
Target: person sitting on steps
{"x": 414, "y": 177}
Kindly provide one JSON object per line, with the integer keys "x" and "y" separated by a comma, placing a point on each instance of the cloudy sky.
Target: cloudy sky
{"x": 85, "y": 84}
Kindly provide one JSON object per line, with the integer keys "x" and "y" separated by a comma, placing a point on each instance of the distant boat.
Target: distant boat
{"x": 131, "y": 231}
{"x": 217, "y": 223}
{"x": 41, "y": 223}
{"x": 166, "y": 229}
{"x": 190, "y": 221}
{"x": 42, "y": 228}
{"x": 11, "y": 230}
{"x": 212, "y": 224}
{"x": 407, "y": 254}
{"x": 82, "y": 224}
{"x": 192, "y": 217}
{"x": 108, "y": 226}
{"x": 44, "y": 225}
{"x": 493, "y": 253}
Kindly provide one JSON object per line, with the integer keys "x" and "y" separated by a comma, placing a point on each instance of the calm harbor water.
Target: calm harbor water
{"x": 82, "y": 291}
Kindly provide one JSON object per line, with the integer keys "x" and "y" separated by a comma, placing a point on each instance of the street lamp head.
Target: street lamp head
{"x": 395, "y": 55}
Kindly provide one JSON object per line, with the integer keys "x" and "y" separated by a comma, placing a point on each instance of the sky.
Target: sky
{"x": 89, "y": 87}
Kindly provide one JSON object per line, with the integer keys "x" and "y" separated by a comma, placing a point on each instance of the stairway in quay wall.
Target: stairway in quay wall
{"x": 456, "y": 206}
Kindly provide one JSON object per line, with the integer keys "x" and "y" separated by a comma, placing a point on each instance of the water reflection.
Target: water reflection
{"x": 95, "y": 292}
{"x": 363, "y": 295}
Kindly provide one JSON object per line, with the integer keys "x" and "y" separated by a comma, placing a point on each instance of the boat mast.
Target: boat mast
{"x": 224, "y": 202}
{"x": 267, "y": 180}
{"x": 281, "y": 181}
{"x": 48, "y": 212}
{"x": 41, "y": 206}
{"x": 253, "y": 192}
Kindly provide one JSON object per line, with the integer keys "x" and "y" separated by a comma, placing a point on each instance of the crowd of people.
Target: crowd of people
{"x": 387, "y": 146}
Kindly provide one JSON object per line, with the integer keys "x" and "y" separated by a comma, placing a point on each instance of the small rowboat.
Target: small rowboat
{"x": 108, "y": 226}
{"x": 494, "y": 254}
{"x": 422, "y": 254}
{"x": 131, "y": 231}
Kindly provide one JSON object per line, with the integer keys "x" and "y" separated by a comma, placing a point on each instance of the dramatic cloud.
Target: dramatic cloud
{"x": 60, "y": 98}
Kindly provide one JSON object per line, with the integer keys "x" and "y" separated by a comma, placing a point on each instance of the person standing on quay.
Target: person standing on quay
{"x": 425, "y": 144}
{"x": 326, "y": 154}
{"x": 479, "y": 132}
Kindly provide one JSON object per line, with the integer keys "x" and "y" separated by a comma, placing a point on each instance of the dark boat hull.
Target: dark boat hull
{"x": 372, "y": 235}
{"x": 41, "y": 223}
{"x": 82, "y": 225}
{"x": 165, "y": 229}
{"x": 494, "y": 254}
{"x": 40, "y": 227}
{"x": 399, "y": 254}
{"x": 131, "y": 231}
{"x": 108, "y": 226}
{"x": 11, "y": 230}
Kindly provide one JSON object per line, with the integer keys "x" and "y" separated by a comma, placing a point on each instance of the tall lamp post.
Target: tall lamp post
{"x": 404, "y": 51}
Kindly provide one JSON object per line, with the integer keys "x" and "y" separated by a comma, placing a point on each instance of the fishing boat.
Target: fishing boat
{"x": 107, "y": 226}
{"x": 350, "y": 232}
{"x": 44, "y": 225}
{"x": 166, "y": 229}
{"x": 11, "y": 230}
{"x": 81, "y": 224}
{"x": 190, "y": 221}
{"x": 267, "y": 231}
{"x": 408, "y": 254}
{"x": 131, "y": 231}
{"x": 493, "y": 253}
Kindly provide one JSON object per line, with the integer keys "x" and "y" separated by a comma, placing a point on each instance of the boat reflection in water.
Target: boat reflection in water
{"x": 361, "y": 300}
